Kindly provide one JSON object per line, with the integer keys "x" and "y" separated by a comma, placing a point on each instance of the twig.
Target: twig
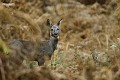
{"x": 8, "y": 4}
{"x": 2, "y": 70}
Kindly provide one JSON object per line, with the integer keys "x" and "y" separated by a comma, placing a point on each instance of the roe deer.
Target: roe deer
{"x": 22, "y": 49}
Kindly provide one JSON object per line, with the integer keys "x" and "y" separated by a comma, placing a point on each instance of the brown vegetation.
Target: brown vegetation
{"x": 89, "y": 44}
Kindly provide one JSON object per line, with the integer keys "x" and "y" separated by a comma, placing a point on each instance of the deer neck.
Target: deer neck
{"x": 53, "y": 42}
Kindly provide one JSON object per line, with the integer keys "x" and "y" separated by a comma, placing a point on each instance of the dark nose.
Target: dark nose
{"x": 55, "y": 33}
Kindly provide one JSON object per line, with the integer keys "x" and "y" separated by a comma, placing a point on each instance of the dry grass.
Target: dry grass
{"x": 89, "y": 44}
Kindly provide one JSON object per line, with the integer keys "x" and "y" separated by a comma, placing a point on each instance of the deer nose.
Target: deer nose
{"x": 55, "y": 33}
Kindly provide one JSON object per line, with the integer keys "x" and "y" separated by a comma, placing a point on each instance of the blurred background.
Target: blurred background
{"x": 89, "y": 43}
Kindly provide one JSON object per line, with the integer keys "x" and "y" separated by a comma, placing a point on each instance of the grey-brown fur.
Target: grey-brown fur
{"x": 22, "y": 49}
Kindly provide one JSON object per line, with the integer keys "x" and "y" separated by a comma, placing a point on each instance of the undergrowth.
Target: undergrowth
{"x": 89, "y": 44}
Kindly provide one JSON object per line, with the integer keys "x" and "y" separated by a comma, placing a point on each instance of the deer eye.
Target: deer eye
{"x": 51, "y": 29}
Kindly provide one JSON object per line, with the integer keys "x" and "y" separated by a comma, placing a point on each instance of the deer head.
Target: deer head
{"x": 54, "y": 29}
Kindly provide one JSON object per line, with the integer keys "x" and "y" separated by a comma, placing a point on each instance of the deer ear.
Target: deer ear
{"x": 58, "y": 23}
{"x": 49, "y": 23}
